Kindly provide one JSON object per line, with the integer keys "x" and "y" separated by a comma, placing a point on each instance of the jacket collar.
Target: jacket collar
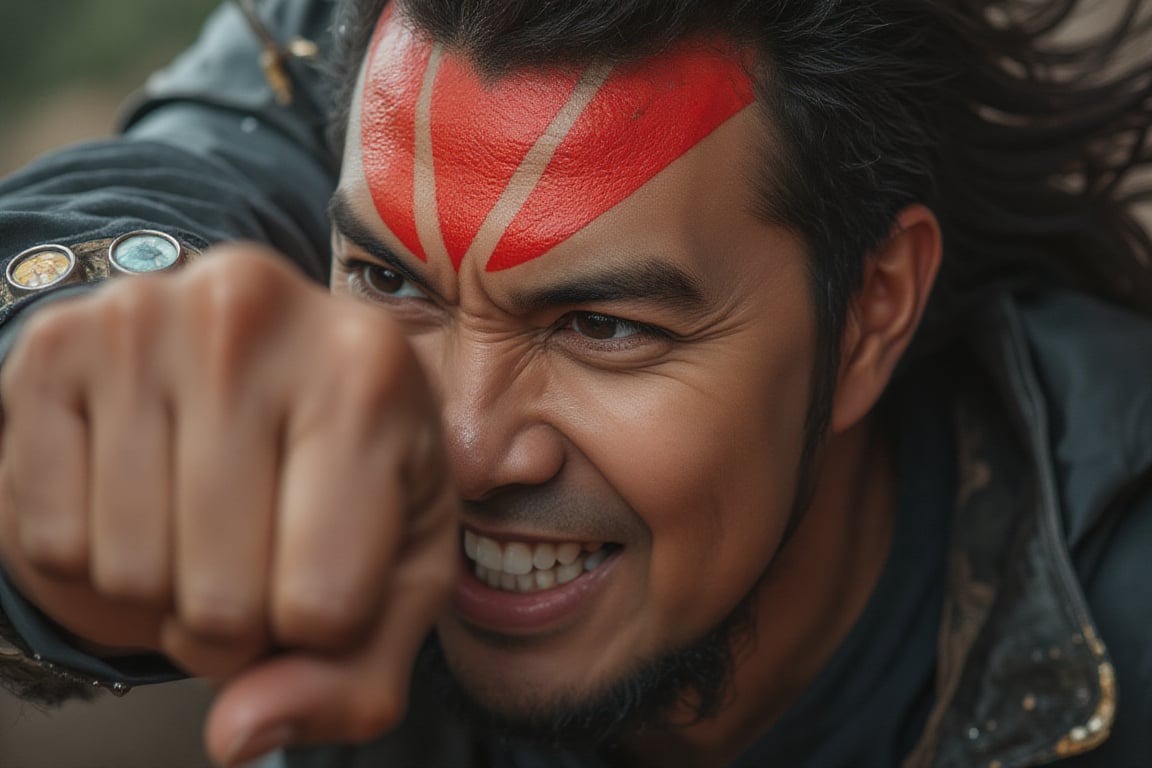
{"x": 1023, "y": 678}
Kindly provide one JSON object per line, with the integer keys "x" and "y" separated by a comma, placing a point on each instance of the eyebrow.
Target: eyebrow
{"x": 348, "y": 225}
{"x": 653, "y": 281}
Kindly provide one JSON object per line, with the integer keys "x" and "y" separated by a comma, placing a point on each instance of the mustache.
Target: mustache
{"x": 560, "y": 511}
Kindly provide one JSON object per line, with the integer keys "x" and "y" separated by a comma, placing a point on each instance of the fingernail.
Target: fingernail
{"x": 258, "y": 744}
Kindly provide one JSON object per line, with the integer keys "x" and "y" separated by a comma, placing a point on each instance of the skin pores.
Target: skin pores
{"x": 504, "y": 170}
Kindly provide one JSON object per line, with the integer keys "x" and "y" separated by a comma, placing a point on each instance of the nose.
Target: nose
{"x": 498, "y": 428}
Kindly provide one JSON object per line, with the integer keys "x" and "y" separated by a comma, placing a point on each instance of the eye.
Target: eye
{"x": 604, "y": 327}
{"x": 594, "y": 336}
{"x": 375, "y": 281}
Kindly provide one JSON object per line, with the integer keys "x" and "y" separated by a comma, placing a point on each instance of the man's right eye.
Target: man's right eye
{"x": 376, "y": 282}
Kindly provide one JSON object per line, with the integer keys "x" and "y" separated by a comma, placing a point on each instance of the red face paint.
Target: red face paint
{"x": 388, "y": 126}
{"x": 638, "y": 121}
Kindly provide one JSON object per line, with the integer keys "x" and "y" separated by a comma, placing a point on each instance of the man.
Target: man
{"x": 622, "y": 405}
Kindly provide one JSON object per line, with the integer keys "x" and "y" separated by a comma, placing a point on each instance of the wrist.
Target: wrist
{"x": 49, "y": 267}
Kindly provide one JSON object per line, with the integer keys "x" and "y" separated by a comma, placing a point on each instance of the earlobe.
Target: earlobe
{"x": 885, "y": 313}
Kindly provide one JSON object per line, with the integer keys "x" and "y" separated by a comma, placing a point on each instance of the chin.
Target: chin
{"x": 543, "y": 715}
{"x": 516, "y": 690}
{"x": 682, "y": 685}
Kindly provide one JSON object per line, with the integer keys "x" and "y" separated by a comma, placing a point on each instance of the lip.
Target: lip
{"x": 529, "y": 613}
{"x": 529, "y": 537}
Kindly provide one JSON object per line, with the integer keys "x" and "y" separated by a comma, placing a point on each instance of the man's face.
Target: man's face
{"x": 623, "y": 350}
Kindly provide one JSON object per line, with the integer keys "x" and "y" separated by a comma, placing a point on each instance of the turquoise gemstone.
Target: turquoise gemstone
{"x": 146, "y": 253}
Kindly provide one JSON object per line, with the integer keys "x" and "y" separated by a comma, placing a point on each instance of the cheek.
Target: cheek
{"x": 709, "y": 460}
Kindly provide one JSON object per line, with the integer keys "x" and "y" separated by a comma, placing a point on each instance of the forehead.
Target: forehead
{"x": 500, "y": 171}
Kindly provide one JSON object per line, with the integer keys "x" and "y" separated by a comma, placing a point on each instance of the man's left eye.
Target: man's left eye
{"x": 605, "y": 327}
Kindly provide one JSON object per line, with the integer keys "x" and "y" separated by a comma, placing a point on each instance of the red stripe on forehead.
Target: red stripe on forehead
{"x": 396, "y": 66}
{"x": 480, "y": 135}
{"x": 640, "y": 120}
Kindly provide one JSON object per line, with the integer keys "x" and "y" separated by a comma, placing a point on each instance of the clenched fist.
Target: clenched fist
{"x": 235, "y": 468}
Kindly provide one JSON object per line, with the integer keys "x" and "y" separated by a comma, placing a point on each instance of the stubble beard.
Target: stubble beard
{"x": 678, "y": 688}
{"x": 672, "y": 690}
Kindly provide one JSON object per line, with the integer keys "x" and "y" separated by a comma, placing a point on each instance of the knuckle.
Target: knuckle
{"x": 52, "y": 327}
{"x": 236, "y": 298}
{"x": 132, "y": 303}
{"x": 130, "y": 314}
{"x": 121, "y": 581}
{"x": 41, "y": 345}
{"x": 314, "y": 618}
{"x": 218, "y": 614}
{"x": 236, "y": 276}
{"x": 207, "y": 657}
{"x": 62, "y": 556}
{"x": 231, "y": 309}
{"x": 236, "y": 282}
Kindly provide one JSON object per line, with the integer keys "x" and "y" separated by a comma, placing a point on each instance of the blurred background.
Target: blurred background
{"x": 67, "y": 66}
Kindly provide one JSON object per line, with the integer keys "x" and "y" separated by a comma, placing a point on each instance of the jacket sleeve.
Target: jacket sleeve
{"x": 207, "y": 155}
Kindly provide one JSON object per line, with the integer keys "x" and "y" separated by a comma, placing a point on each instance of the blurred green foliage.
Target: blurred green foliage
{"x": 44, "y": 43}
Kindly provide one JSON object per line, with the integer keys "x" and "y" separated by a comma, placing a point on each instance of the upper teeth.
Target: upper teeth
{"x": 520, "y": 566}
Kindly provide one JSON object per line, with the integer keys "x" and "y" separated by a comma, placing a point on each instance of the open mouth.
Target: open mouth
{"x": 523, "y": 566}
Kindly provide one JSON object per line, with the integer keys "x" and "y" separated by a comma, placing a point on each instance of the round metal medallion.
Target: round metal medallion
{"x": 40, "y": 268}
{"x": 144, "y": 251}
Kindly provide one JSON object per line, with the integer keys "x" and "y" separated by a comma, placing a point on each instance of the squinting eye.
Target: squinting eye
{"x": 604, "y": 327}
{"x": 382, "y": 281}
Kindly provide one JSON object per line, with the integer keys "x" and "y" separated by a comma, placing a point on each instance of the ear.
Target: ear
{"x": 885, "y": 312}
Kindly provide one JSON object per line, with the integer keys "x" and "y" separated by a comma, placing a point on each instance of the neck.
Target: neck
{"x": 820, "y": 581}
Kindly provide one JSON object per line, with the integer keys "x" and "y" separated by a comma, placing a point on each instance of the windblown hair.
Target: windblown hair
{"x": 1018, "y": 136}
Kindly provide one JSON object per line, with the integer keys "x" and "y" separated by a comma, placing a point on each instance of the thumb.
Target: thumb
{"x": 296, "y": 699}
